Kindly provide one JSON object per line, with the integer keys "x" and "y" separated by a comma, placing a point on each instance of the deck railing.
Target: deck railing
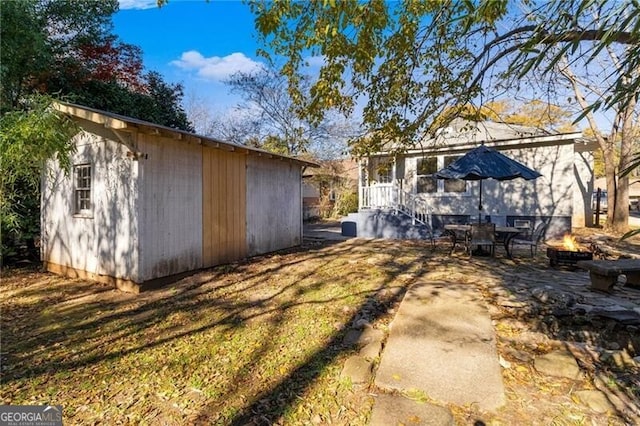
{"x": 389, "y": 196}
{"x": 381, "y": 196}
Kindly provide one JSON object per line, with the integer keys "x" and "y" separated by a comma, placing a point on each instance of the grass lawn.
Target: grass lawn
{"x": 254, "y": 341}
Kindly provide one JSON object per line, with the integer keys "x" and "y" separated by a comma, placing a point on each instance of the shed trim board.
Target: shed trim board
{"x": 165, "y": 202}
{"x": 122, "y": 123}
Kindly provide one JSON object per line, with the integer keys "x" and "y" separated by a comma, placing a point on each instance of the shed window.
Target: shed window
{"x": 82, "y": 188}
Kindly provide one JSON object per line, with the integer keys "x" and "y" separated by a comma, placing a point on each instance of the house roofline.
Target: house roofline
{"x": 120, "y": 123}
{"x": 499, "y": 144}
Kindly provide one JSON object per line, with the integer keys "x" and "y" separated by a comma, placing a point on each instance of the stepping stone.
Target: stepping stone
{"x": 595, "y": 400}
{"x": 357, "y": 369}
{"x": 558, "y": 364}
{"x": 361, "y": 337}
{"x": 391, "y": 410}
{"x": 442, "y": 343}
{"x": 371, "y": 350}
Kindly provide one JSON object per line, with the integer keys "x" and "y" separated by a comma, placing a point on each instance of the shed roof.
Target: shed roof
{"x": 120, "y": 123}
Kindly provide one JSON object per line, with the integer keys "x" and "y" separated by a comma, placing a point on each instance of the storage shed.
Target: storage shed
{"x": 144, "y": 202}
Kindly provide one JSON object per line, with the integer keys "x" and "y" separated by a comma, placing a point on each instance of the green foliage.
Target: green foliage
{"x": 159, "y": 102}
{"x": 28, "y": 138}
{"x": 604, "y": 23}
{"x": 63, "y": 48}
{"x": 66, "y": 48}
{"x": 275, "y": 144}
{"x": 405, "y": 57}
{"x": 346, "y": 202}
{"x": 534, "y": 113}
{"x": 23, "y": 50}
{"x": 413, "y": 61}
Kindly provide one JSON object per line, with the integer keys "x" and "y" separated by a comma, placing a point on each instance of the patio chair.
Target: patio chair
{"x": 531, "y": 240}
{"x": 482, "y": 235}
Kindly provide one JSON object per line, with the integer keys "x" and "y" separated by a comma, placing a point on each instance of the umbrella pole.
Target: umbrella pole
{"x": 480, "y": 204}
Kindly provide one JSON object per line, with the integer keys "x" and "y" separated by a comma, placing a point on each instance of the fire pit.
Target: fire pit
{"x": 569, "y": 254}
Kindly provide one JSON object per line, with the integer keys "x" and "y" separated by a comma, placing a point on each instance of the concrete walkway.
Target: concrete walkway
{"x": 442, "y": 344}
{"x": 327, "y": 231}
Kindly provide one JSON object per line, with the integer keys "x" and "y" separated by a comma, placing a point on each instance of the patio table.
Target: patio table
{"x": 503, "y": 233}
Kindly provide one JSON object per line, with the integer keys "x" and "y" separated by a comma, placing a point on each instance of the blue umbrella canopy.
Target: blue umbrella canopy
{"x": 486, "y": 163}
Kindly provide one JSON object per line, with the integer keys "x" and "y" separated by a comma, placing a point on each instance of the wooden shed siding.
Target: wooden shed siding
{"x": 274, "y": 205}
{"x": 223, "y": 207}
{"x": 171, "y": 206}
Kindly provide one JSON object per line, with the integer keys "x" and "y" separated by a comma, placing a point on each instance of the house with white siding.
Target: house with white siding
{"x": 144, "y": 202}
{"x": 398, "y": 193}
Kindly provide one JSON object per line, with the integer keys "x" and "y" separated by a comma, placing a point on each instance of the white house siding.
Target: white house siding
{"x": 553, "y": 194}
{"x": 170, "y": 206}
{"x": 105, "y": 242}
{"x": 584, "y": 186}
{"x": 274, "y": 211}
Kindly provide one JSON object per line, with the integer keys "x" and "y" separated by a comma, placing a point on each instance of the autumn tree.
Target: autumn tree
{"x": 413, "y": 60}
{"x": 268, "y": 118}
{"x": 65, "y": 49}
{"x": 532, "y": 113}
{"x": 27, "y": 139}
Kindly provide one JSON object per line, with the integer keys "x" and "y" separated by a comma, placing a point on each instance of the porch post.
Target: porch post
{"x": 360, "y": 183}
{"x": 394, "y": 191}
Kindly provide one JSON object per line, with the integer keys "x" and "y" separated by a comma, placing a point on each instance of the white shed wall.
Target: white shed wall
{"x": 170, "y": 207}
{"x": 274, "y": 205}
{"x": 106, "y": 242}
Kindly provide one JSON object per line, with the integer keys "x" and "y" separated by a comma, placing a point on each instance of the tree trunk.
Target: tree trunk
{"x": 620, "y": 219}
{"x": 610, "y": 177}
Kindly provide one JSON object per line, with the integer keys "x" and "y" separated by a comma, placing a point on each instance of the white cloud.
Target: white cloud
{"x": 216, "y": 68}
{"x": 137, "y": 4}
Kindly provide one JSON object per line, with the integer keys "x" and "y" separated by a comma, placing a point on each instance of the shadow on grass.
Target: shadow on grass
{"x": 51, "y": 328}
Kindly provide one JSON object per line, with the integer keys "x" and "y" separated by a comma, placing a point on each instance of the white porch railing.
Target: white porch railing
{"x": 389, "y": 196}
{"x": 415, "y": 207}
{"x": 381, "y": 196}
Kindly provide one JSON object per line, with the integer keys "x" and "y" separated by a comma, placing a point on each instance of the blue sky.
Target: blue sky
{"x": 193, "y": 42}
{"x": 197, "y": 43}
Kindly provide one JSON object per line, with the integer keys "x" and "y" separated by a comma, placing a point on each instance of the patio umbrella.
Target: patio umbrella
{"x": 484, "y": 163}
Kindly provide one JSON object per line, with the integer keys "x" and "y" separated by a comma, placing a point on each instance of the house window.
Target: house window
{"x": 384, "y": 172}
{"x": 453, "y": 185}
{"x": 427, "y": 183}
{"x": 426, "y": 167}
{"x": 82, "y": 189}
